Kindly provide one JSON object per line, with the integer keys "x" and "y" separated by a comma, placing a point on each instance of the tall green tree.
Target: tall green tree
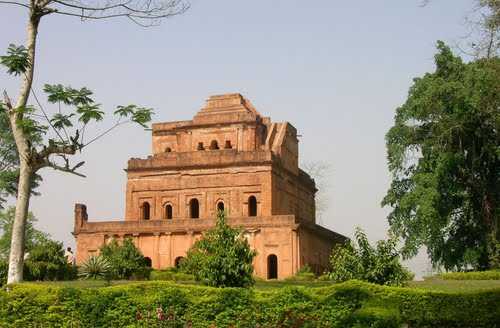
{"x": 444, "y": 156}
{"x": 65, "y": 130}
{"x": 222, "y": 257}
{"x": 33, "y": 237}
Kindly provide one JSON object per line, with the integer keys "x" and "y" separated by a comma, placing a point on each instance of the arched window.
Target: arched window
{"x": 272, "y": 267}
{"x": 178, "y": 261}
{"x": 252, "y": 206}
{"x": 168, "y": 150}
{"x": 214, "y": 145}
{"x": 168, "y": 211}
{"x": 146, "y": 209}
{"x": 194, "y": 208}
{"x": 220, "y": 206}
{"x": 200, "y": 146}
{"x": 228, "y": 144}
{"x": 149, "y": 263}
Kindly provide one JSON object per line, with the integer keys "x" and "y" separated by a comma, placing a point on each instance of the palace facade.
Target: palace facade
{"x": 228, "y": 157}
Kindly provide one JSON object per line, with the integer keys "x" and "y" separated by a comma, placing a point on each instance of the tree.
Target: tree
{"x": 222, "y": 257}
{"x": 125, "y": 260}
{"x": 320, "y": 172}
{"x": 483, "y": 23}
{"x": 380, "y": 264}
{"x": 63, "y": 133}
{"x": 46, "y": 261}
{"x": 444, "y": 156}
{"x": 33, "y": 237}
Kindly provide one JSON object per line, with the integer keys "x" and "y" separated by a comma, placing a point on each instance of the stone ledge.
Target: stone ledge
{"x": 181, "y": 225}
{"x": 205, "y": 158}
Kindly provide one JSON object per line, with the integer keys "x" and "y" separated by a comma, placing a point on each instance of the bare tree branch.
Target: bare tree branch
{"x": 144, "y": 13}
{"x": 66, "y": 168}
{"x": 15, "y": 3}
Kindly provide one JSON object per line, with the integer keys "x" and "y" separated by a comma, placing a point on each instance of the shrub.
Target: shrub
{"x": 96, "y": 267}
{"x": 126, "y": 261}
{"x": 304, "y": 274}
{"x": 474, "y": 275}
{"x": 165, "y": 304}
{"x": 46, "y": 261}
{"x": 222, "y": 257}
{"x": 4, "y": 268}
{"x": 380, "y": 264}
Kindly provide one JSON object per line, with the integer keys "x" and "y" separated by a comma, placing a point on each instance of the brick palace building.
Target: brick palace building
{"x": 227, "y": 157}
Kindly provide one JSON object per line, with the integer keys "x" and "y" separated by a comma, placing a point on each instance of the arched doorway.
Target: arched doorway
{"x": 272, "y": 267}
{"x": 194, "y": 208}
{"x": 146, "y": 209}
{"x": 214, "y": 145}
{"x": 252, "y": 206}
{"x": 168, "y": 212}
{"x": 178, "y": 261}
{"x": 220, "y": 206}
{"x": 149, "y": 263}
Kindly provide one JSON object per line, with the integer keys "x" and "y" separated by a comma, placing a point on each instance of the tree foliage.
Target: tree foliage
{"x": 60, "y": 136}
{"x": 222, "y": 257}
{"x": 444, "y": 156}
{"x": 359, "y": 260}
{"x": 33, "y": 237}
{"x": 46, "y": 261}
{"x": 125, "y": 259}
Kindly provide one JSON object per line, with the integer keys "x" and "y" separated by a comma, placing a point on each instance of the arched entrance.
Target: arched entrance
{"x": 194, "y": 208}
{"x": 252, "y": 206}
{"x": 178, "y": 261}
{"x": 149, "y": 263}
{"x": 272, "y": 267}
{"x": 146, "y": 211}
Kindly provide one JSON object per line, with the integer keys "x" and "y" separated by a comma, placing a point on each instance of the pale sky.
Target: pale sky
{"x": 336, "y": 70}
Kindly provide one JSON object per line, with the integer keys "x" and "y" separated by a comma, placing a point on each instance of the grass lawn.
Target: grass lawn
{"x": 429, "y": 284}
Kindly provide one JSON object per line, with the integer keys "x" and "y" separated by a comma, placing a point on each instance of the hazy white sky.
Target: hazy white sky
{"x": 336, "y": 70}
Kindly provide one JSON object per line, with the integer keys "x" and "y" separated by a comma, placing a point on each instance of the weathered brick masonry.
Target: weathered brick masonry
{"x": 227, "y": 157}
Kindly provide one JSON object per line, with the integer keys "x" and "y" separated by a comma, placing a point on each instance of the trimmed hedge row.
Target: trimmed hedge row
{"x": 474, "y": 275}
{"x": 166, "y": 304}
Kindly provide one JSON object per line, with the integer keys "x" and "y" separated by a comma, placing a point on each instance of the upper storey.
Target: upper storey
{"x": 229, "y": 126}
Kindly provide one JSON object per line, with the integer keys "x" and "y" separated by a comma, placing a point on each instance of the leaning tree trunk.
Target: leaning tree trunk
{"x": 16, "y": 256}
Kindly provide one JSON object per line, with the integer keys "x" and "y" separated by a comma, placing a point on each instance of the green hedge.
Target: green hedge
{"x": 170, "y": 275}
{"x": 166, "y": 304}
{"x": 475, "y": 275}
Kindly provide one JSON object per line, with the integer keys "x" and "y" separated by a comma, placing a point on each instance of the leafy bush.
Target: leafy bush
{"x": 96, "y": 267}
{"x": 46, "y": 261}
{"x": 380, "y": 264}
{"x": 474, "y": 275}
{"x": 126, "y": 261}
{"x": 165, "y": 304}
{"x": 304, "y": 274}
{"x": 222, "y": 257}
{"x": 4, "y": 268}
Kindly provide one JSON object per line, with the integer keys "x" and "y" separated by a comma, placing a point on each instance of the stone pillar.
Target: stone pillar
{"x": 81, "y": 216}
{"x": 170, "y": 248}
{"x": 137, "y": 242}
{"x": 156, "y": 254}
